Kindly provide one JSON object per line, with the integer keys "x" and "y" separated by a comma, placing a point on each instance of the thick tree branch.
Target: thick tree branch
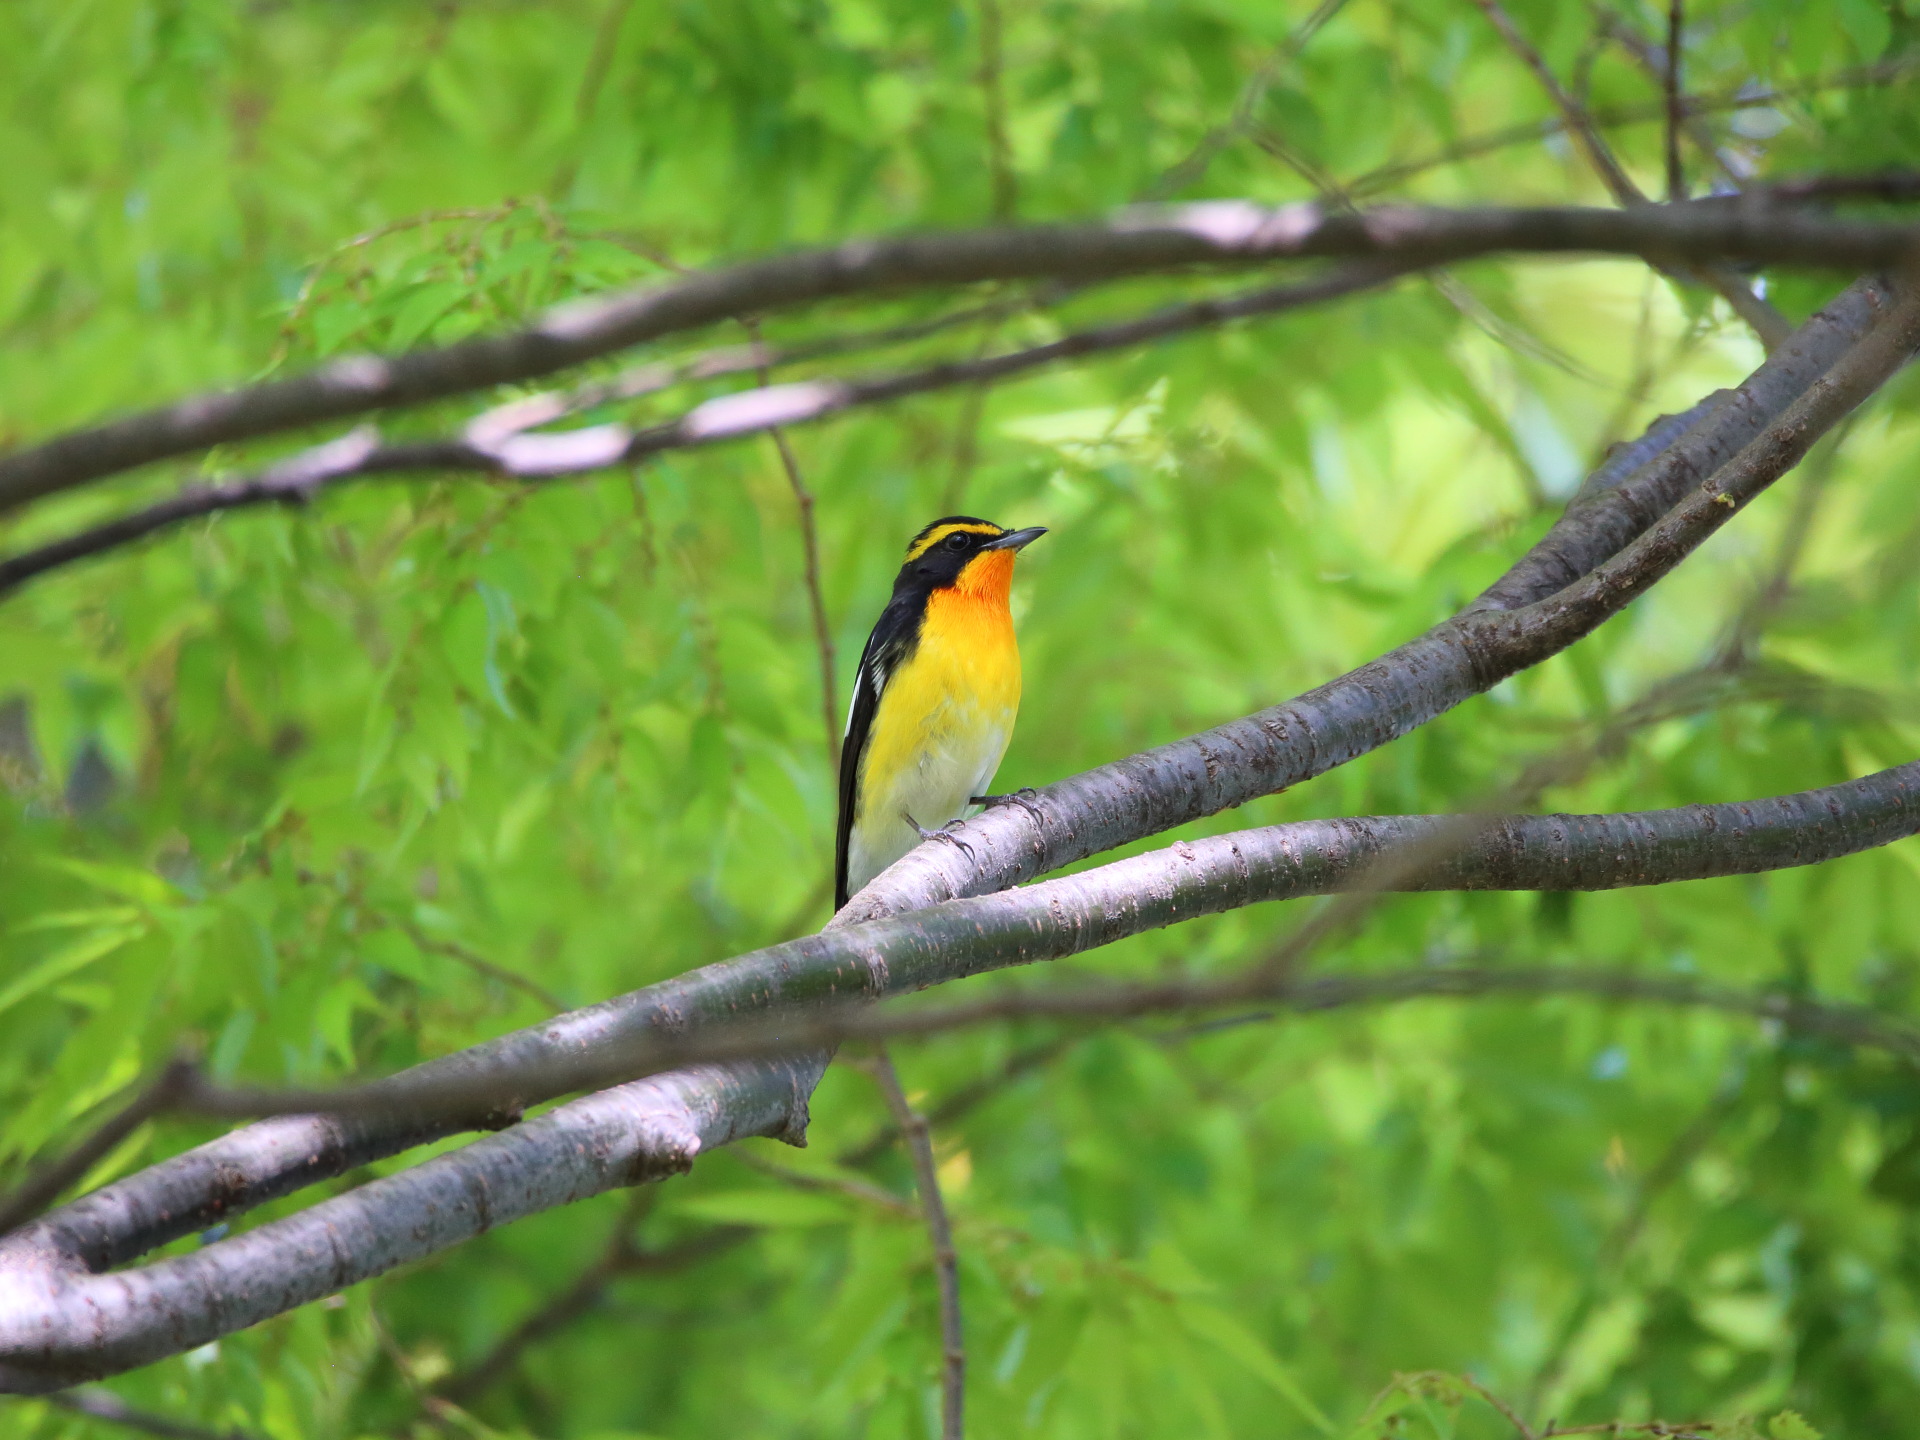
{"x": 59, "y": 1321}
{"x": 499, "y": 442}
{"x": 647, "y": 1033}
{"x": 1280, "y": 747}
{"x": 1219, "y": 233}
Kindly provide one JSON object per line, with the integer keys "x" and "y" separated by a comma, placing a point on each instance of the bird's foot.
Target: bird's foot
{"x": 1018, "y": 797}
{"x": 941, "y": 834}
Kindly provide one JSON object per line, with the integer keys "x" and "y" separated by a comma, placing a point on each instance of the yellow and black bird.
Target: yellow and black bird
{"x": 934, "y": 701}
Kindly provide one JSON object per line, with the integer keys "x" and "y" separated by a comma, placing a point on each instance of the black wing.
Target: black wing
{"x": 892, "y": 640}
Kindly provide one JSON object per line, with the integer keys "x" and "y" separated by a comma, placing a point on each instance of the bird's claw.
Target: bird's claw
{"x": 940, "y": 834}
{"x": 1016, "y": 797}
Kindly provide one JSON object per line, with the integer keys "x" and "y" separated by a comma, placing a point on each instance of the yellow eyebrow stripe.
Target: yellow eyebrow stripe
{"x": 940, "y": 532}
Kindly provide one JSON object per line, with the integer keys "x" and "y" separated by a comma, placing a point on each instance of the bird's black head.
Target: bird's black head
{"x": 941, "y": 553}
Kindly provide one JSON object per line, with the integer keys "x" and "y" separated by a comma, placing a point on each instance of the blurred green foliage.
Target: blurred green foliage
{"x": 276, "y": 781}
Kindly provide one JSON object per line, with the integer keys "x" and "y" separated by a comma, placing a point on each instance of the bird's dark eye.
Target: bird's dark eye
{"x": 956, "y": 542}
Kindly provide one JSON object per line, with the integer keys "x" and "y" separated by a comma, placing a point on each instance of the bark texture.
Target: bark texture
{"x": 62, "y": 1319}
{"x": 1220, "y": 233}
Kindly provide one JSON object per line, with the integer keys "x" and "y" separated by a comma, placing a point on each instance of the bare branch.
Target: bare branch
{"x": 1385, "y": 177}
{"x": 810, "y": 557}
{"x": 1676, "y": 105}
{"x": 799, "y": 988}
{"x": 1195, "y": 163}
{"x": 623, "y": 1256}
{"x": 648, "y": 1127}
{"x": 946, "y": 1263}
{"x": 498, "y": 442}
{"x": 1358, "y": 712}
{"x": 1220, "y": 233}
{"x": 1769, "y": 324}
{"x": 101, "y": 1404}
{"x": 1006, "y": 193}
{"x": 644, "y": 1128}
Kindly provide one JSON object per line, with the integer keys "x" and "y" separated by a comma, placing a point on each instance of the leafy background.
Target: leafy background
{"x": 288, "y": 784}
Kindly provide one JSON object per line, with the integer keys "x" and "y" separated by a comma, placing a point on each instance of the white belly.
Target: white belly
{"x": 956, "y": 762}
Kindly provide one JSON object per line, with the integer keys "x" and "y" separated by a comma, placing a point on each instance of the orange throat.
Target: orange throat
{"x": 987, "y": 579}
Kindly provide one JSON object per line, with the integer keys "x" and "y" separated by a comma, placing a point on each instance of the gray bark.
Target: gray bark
{"x": 545, "y": 456}
{"x": 1219, "y": 233}
{"x": 61, "y": 1320}
{"x": 1366, "y": 708}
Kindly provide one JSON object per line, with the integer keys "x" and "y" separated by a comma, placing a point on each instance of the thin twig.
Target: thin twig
{"x": 97, "y": 1403}
{"x": 499, "y": 443}
{"x": 946, "y": 1263}
{"x": 41, "y": 1188}
{"x": 480, "y": 965}
{"x": 810, "y": 558}
{"x": 1015, "y": 1067}
{"x": 1194, "y": 165}
{"x": 847, "y": 1185}
{"x": 1652, "y": 58}
{"x": 622, "y": 1256}
{"x": 1006, "y": 194}
{"x": 1215, "y": 233}
{"x": 1672, "y": 1166}
{"x": 1578, "y": 121}
{"x": 592, "y": 81}
{"x": 1507, "y": 1412}
{"x": 1769, "y": 324}
{"x": 1385, "y": 177}
{"x": 1676, "y": 102}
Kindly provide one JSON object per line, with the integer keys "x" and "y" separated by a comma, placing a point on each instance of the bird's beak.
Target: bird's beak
{"x": 1016, "y": 539}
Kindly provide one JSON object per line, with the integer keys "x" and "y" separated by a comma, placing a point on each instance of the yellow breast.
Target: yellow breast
{"x": 943, "y": 720}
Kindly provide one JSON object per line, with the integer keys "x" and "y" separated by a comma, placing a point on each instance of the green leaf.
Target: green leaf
{"x": 1233, "y": 1339}
{"x": 769, "y": 1208}
{"x": 1788, "y": 1425}
{"x": 51, "y": 969}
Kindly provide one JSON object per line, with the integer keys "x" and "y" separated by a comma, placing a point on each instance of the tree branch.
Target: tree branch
{"x": 101, "y": 1404}
{"x": 697, "y": 1019}
{"x": 621, "y": 1258}
{"x": 810, "y": 564}
{"x": 1768, "y": 323}
{"x": 1219, "y": 233}
{"x": 60, "y": 1320}
{"x": 1276, "y": 748}
{"x": 498, "y": 443}
{"x": 1385, "y": 177}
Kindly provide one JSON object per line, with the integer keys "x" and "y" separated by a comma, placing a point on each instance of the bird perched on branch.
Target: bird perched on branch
{"x": 934, "y": 701}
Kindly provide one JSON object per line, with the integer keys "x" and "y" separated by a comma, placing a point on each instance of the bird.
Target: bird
{"x": 934, "y": 698}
